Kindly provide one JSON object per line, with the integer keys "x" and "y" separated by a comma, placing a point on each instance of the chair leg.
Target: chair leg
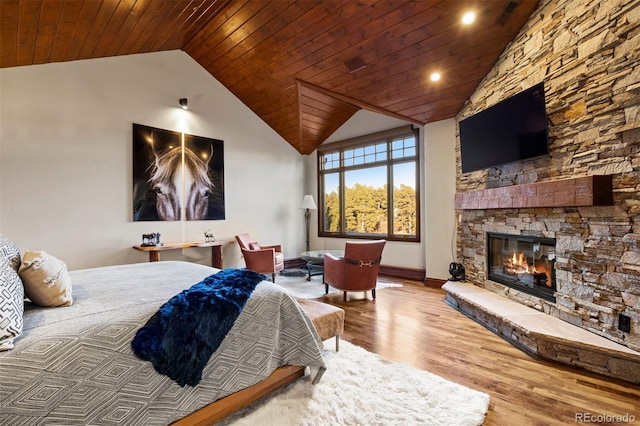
{"x": 344, "y": 296}
{"x": 337, "y": 343}
{"x": 273, "y": 277}
{"x": 373, "y": 293}
{"x": 326, "y": 288}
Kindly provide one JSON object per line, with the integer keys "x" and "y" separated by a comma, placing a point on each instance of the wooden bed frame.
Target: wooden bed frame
{"x": 228, "y": 405}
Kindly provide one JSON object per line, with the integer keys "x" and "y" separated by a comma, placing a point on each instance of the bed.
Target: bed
{"x": 75, "y": 365}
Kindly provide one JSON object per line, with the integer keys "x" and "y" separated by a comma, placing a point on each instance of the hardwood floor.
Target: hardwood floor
{"x": 415, "y": 326}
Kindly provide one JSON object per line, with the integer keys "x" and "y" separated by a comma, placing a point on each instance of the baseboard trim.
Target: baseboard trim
{"x": 434, "y": 282}
{"x": 404, "y": 273}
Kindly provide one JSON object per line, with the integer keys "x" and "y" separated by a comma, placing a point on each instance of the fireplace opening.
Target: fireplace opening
{"x": 524, "y": 263}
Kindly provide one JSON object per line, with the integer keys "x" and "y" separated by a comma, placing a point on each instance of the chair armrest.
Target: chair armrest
{"x": 259, "y": 260}
{"x": 276, "y": 247}
{"x": 333, "y": 269}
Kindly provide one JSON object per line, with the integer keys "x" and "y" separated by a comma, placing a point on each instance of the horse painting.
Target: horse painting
{"x": 176, "y": 176}
{"x": 176, "y": 182}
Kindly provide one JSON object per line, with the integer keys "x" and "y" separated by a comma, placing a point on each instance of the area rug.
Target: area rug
{"x": 360, "y": 388}
{"x": 298, "y": 285}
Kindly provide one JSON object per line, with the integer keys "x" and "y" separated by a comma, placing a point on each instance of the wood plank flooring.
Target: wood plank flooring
{"x": 415, "y": 326}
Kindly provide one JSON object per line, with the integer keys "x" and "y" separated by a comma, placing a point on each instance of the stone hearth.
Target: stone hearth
{"x": 543, "y": 335}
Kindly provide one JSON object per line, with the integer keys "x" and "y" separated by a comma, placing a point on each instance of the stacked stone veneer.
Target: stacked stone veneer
{"x": 587, "y": 53}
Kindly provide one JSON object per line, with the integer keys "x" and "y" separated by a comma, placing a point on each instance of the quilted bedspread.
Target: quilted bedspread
{"x": 74, "y": 365}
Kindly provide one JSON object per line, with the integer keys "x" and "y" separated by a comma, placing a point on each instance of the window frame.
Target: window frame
{"x": 340, "y": 147}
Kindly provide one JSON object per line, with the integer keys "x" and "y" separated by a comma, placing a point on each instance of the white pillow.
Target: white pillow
{"x": 11, "y": 305}
{"x": 46, "y": 279}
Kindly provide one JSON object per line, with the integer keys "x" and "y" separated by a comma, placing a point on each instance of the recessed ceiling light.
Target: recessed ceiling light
{"x": 435, "y": 76}
{"x": 468, "y": 17}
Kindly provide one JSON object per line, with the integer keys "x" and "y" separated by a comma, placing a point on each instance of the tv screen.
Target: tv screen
{"x": 512, "y": 130}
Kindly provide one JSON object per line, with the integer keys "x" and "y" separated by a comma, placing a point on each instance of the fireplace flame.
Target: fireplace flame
{"x": 517, "y": 264}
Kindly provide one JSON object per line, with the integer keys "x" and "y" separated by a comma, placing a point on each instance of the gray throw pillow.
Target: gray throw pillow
{"x": 11, "y": 251}
{"x": 11, "y": 305}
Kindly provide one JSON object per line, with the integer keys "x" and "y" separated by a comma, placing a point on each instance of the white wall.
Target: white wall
{"x": 433, "y": 253}
{"x": 66, "y": 163}
{"x": 440, "y": 187}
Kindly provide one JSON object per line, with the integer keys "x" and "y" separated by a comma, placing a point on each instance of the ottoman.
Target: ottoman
{"x": 327, "y": 319}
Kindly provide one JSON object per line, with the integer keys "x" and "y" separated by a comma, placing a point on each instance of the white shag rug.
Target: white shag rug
{"x": 360, "y": 388}
{"x": 298, "y": 286}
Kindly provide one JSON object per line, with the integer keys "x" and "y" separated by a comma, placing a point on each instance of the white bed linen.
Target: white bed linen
{"x": 74, "y": 365}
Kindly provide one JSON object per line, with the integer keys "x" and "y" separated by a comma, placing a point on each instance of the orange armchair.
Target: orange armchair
{"x": 357, "y": 270}
{"x": 261, "y": 259}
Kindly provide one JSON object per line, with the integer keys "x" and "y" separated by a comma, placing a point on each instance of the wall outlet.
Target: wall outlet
{"x": 624, "y": 323}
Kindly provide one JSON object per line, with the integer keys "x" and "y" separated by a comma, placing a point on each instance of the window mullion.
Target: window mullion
{"x": 390, "y": 204}
{"x": 342, "y": 196}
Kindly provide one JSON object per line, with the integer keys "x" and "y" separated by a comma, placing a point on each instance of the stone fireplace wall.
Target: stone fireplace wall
{"x": 587, "y": 53}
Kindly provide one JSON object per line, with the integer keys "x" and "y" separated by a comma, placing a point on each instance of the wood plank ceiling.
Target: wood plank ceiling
{"x": 305, "y": 67}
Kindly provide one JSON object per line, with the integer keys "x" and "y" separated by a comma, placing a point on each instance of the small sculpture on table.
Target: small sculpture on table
{"x": 151, "y": 240}
{"x": 208, "y": 236}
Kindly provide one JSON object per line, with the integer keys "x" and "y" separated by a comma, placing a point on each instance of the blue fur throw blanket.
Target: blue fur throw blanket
{"x": 180, "y": 338}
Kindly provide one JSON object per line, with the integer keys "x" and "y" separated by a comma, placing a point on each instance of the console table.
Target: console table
{"x": 216, "y": 250}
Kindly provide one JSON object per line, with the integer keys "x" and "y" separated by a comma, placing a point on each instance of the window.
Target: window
{"x": 368, "y": 187}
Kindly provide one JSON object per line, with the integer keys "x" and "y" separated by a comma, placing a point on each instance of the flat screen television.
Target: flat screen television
{"x": 514, "y": 129}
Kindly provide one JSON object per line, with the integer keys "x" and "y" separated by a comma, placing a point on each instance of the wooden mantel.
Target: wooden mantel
{"x": 575, "y": 192}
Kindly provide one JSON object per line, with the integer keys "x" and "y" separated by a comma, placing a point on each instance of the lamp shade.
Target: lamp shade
{"x": 308, "y": 203}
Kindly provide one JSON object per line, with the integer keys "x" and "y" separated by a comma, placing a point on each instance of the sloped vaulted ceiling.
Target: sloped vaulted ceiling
{"x": 305, "y": 67}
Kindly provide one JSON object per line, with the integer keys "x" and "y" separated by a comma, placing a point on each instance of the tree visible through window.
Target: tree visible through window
{"x": 369, "y": 186}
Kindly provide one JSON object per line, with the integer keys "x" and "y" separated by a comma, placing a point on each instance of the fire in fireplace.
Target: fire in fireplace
{"x": 525, "y": 263}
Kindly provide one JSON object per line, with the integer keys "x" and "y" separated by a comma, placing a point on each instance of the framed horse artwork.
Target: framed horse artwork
{"x": 176, "y": 176}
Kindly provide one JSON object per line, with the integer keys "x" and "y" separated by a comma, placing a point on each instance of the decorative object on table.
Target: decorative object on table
{"x": 162, "y": 157}
{"x": 208, "y": 236}
{"x": 151, "y": 240}
{"x": 259, "y": 258}
{"x": 357, "y": 270}
{"x": 308, "y": 204}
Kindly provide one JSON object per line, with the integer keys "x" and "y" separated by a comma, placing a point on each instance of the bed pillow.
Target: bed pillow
{"x": 46, "y": 279}
{"x": 11, "y": 305}
{"x": 11, "y": 251}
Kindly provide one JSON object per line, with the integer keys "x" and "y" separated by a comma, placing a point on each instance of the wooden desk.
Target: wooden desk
{"x": 216, "y": 250}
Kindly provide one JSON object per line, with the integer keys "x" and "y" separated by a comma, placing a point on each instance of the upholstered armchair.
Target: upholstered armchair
{"x": 261, "y": 259}
{"x": 357, "y": 270}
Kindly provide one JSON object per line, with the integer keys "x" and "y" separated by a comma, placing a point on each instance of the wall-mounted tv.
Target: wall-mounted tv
{"x": 514, "y": 129}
